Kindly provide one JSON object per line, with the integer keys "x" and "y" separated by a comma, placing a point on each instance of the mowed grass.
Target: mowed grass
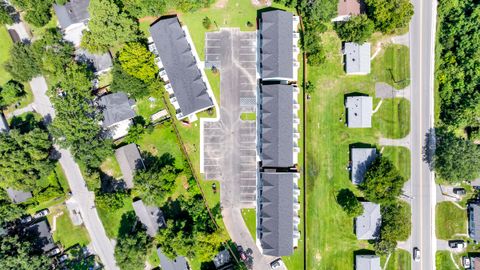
{"x": 331, "y": 242}
{"x": 250, "y": 216}
{"x": 66, "y": 233}
{"x": 400, "y": 260}
{"x": 450, "y": 220}
{"x": 112, "y": 219}
{"x": 5, "y": 45}
{"x": 111, "y": 167}
{"x": 251, "y": 116}
{"x": 400, "y": 156}
{"x": 393, "y": 118}
{"x": 443, "y": 261}
{"x": 393, "y": 66}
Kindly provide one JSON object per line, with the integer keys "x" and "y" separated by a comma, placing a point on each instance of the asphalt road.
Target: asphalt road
{"x": 422, "y": 41}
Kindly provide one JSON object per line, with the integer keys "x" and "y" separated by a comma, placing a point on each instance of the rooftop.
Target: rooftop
{"x": 129, "y": 159}
{"x": 277, "y": 214}
{"x": 179, "y": 63}
{"x": 361, "y": 160}
{"x": 18, "y": 196}
{"x": 350, "y": 7}
{"x": 116, "y": 107}
{"x": 41, "y": 233}
{"x": 367, "y": 262}
{"x": 74, "y": 11}
{"x": 367, "y": 225}
{"x": 277, "y": 125}
{"x": 357, "y": 58}
{"x": 97, "y": 62}
{"x": 277, "y": 44}
{"x": 179, "y": 263}
{"x": 359, "y": 111}
{"x": 151, "y": 217}
{"x": 474, "y": 221}
{"x": 3, "y": 123}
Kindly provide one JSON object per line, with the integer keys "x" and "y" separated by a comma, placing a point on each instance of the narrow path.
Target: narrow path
{"x": 378, "y": 106}
{"x": 453, "y": 260}
{"x": 405, "y": 141}
{"x": 386, "y": 261}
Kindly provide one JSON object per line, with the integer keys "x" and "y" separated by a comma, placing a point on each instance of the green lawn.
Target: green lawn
{"x": 147, "y": 108}
{"x": 112, "y": 219}
{"x": 38, "y": 32}
{"x": 5, "y": 46}
{"x": 443, "y": 261}
{"x": 152, "y": 257}
{"x": 393, "y": 66}
{"x": 66, "y": 233}
{"x": 23, "y": 101}
{"x": 111, "y": 167}
{"x": 250, "y": 217}
{"x": 400, "y": 260}
{"x": 214, "y": 80}
{"x": 393, "y": 118}
{"x": 331, "y": 241}
{"x": 450, "y": 220}
{"x": 400, "y": 156}
{"x": 248, "y": 116}
{"x": 105, "y": 79}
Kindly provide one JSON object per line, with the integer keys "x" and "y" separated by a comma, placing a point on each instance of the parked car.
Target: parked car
{"x": 459, "y": 191}
{"x": 53, "y": 252}
{"x": 42, "y": 213}
{"x": 63, "y": 258}
{"x": 457, "y": 244}
{"x": 276, "y": 263}
{"x": 25, "y": 219}
{"x": 416, "y": 254}
{"x": 466, "y": 262}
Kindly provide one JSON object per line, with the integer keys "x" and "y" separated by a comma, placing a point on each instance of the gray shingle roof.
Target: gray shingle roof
{"x": 474, "y": 221}
{"x": 18, "y": 196}
{"x": 179, "y": 63}
{"x": 129, "y": 159}
{"x": 150, "y": 216}
{"x": 116, "y": 107}
{"x": 222, "y": 258}
{"x": 277, "y": 214}
{"x": 367, "y": 225}
{"x": 367, "y": 262}
{"x": 98, "y": 62}
{"x": 277, "y": 125}
{"x": 179, "y": 263}
{"x": 357, "y": 58}
{"x": 3, "y": 123}
{"x": 277, "y": 44}
{"x": 361, "y": 160}
{"x": 74, "y": 11}
{"x": 43, "y": 236}
{"x": 359, "y": 111}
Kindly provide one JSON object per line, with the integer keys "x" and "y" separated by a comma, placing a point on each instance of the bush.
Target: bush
{"x": 206, "y": 22}
{"x": 349, "y": 202}
{"x": 113, "y": 201}
{"x": 10, "y": 93}
{"x": 358, "y": 29}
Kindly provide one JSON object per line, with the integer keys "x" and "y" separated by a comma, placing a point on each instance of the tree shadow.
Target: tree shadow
{"x": 207, "y": 266}
{"x": 127, "y": 224}
{"x": 25, "y": 123}
{"x": 430, "y": 145}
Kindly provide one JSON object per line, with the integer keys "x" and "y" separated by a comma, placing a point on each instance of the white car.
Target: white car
{"x": 276, "y": 264}
{"x": 53, "y": 252}
{"x": 42, "y": 213}
{"x": 416, "y": 254}
{"x": 466, "y": 262}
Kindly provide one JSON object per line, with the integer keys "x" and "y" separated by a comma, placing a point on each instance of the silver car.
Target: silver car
{"x": 416, "y": 254}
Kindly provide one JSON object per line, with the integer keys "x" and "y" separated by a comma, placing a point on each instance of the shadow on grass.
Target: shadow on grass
{"x": 127, "y": 224}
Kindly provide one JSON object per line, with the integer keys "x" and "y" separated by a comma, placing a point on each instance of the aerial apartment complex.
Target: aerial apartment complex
{"x": 277, "y": 200}
{"x": 178, "y": 68}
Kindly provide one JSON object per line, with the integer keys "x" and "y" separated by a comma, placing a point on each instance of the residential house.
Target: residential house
{"x": 179, "y": 68}
{"x": 42, "y": 235}
{"x": 150, "y": 216}
{"x": 361, "y": 158}
{"x": 277, "y": 215}
{"x": 117, "y": 110}
{"x": 179, "y": 263}
{"x": 223, "y": 260}
{"x": 3, "y": 124}
{"x": 357, "y": 58}
{"x": 348, "y": 8}
{"x": 18, "y": 196}
{"x": 98, "y": 63}
{"x": 129, "y": 159}
{"x": 474, "y": 221}
{"x": 367, "y": 262}
{"x": 359, "y": 111}
{"x": 73, "y": 18}
{"x": 367, "y": 225}
{"x": 279, "y": 125}
{"x": 279, "y": 46}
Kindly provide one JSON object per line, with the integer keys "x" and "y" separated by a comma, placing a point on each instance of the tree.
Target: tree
{"x": 113, "y": 201}
{"x": 190, "y": 5}
{"x": 206, "y": 22}
{"x": 137, "y": 61}
{"x": 10, "y": 93}
{"x": 37, "y": 11}
{"x": 389, "y": 15}
{"x": 207, "y": 246}
{"x": 131, "y": 250}
{"x": 5, "y": 17}
{"x": 108, "y": 27}
{"x": 135, "y": 133}
{"x": 25, "y": 158}
{"x": 16, "y": 254}
{"x": 156, "y": 183}
{"x": 396, "y": 226}
{"x": 382, "y": 182}
{"x": 9, "y": 212}
{"x": 349, "y": 202}
{"x": 357, "y": 29}
{"x": 455, "y": 159}
{"x": 123, "y": 82}
{"x": 22, "y": 64}
{"x": 142, "y": 8}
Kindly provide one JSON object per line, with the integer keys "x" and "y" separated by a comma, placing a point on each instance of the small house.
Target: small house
{"x": 73, "y": 18}
{"x": 98, "y": 63}
{"x": 367, "y": 225}
{"x": 367, "y": 262}
{"x": 3, "y": 123}
{"x": 129, "y": 160}
{"x": 18, "y": 196}
{"x": 361, "y": 158}
{"x": 151, "y": 217}
{"x": 348, "y": 8}
{"x": 222, "y": 260}
{"x": 357, "y": 58}
{"x": 179, "y": 263}
{"x": 42, "y": 236}
{"x": 359, "y": 111}
{"x": 117, "y": 110}
{"x": 474, "y": 221}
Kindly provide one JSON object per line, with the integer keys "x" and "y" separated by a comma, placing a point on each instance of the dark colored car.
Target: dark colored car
{"x": 459, "y": 191}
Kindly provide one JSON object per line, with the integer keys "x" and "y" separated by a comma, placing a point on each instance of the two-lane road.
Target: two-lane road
{"x": 422, "y": 42}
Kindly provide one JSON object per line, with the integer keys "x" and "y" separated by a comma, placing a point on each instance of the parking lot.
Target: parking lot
{"x": 230, "y": 143}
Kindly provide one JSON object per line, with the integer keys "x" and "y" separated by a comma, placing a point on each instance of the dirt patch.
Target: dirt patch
{"x": 221, "y": 3}
{"x": 148, "y": 19}
{"x": 261, "y": 3}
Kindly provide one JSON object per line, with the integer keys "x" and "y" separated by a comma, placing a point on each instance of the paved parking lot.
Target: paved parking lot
{"x": 230, "y": 143}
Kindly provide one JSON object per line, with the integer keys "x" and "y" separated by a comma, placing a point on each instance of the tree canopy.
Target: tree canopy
{"x": 137, "y": 61}
{"x": 124, "y": 82}
{"x": 396, "y": 226}
{"x": 5, "y": 17}
{"x": 349, "y": 202}
{"x": 131, "y": 250}
{"x": 142, "y": 8}
{"x": 10, "y": 93}
{"x": 38, "y": 12}
{"x": 22, "y": 64}
{"x": 357, "y": 29}
{"x": 17, "y": 254}
{"x": 389, "y": 15}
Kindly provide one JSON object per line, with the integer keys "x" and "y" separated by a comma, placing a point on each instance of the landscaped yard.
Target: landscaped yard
{"x": 450, "y": 220}
{"x": 147, "y": 106}
{"x": 66, "y": 233}
{"x": 393, "y": 66}
{"x": 400, "y": 260}
{"x": 443, "y": 261}
{"x": 111, "y": 168}
{"x": 24, "y": 101}
{"x": 400, "y": 156}
{"x": 5, "y": 46}
{"x": 393, "y": 118}
{"x": 249, "y": 216}
{"x": 112, "y": 219}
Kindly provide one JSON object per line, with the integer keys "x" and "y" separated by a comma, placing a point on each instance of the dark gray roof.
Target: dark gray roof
{"x": 177, "y": 59}
{"x": 357, "y": 58}
{"x": 277, "y": 44}
{"x": 97, "y": 62}
{"x": 367, "y": 262}
{"x": 150, "y": 216}
{"x": 129, "y": 159}
{"x": 42, "y": 235}
{"x": 277, "y": 214}
{"x": 74, "y": 11}
{"x": 367, "y": 225}
{"x": 474, "y": 221}
{"x": 277, "y": 125}
{"x": 359, "y": 111}
{"x": 222, "y": 258}
{"x": 361, "y": 160}
{"x": 18, "y": 196}
{"x": 179, "y": 263}
{"x": 116, "y": 107}
{"x": 3, "y": 123}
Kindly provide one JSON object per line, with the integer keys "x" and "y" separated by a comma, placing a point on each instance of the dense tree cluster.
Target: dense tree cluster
{"x": 396, "y": 226}
{"x": 18, "y": 254}
{"x": 131, "y": 250}
{"x": 112, "y": 201}
{"x": 137, "y": 61}
{"x": 357, "y": 29}
{"x": 10, "y": 93}
{"x": 389, "y": 15}
{"x": 349, "y": 202}
{"x": 22, "y": 64}
{"x": 8, "y": 211}
{"x": 142, "y": 8}
{"x": 37, "y": 12}
{"x": 5, "y": 17}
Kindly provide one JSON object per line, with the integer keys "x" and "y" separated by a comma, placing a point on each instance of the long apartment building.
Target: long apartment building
{"x": 178, "y": 68}
{"x": 278, "y": 191}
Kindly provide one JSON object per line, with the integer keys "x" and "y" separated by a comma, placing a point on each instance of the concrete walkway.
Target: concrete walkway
{"x": 384, "y": 90}
{"x": 405, "y": 142}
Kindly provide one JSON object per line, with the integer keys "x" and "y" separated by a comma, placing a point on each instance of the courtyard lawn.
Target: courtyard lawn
{"x": 443, "y": 261}
{"x": 66, "y": 233}
{"x": 400, "y": 260}
{"x": 5, "y": 46}
{"x": 111, "y": 167}
{"x": 112, "y": 219}
{"x": 400, "y": 156}
{"x": 450, "y": 220}
{"x": 249, "y": 216}
{"x": 394, "y": 65}
{"x": 393, "y": 118}
{"x": 149, "y": 105}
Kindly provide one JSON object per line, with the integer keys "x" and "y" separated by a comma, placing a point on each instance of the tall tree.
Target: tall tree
{"x": 131, "y": 250}
{"x": 137, "y": 61}
{"x": 10, "y": 93}
{"x": 349, "y": 202}
{"x": 142, "y": 8}
{"x": 389, "y": 15}
{"x": 358, "y": 29}
{"x": 22, "y": 63}
{"x": 124, "y": 82}
{"x": 396, "y": 226}
{"x": 38, "y": 12}
{"x": 156, "y": 183}
{"x": 17, "y": 254}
